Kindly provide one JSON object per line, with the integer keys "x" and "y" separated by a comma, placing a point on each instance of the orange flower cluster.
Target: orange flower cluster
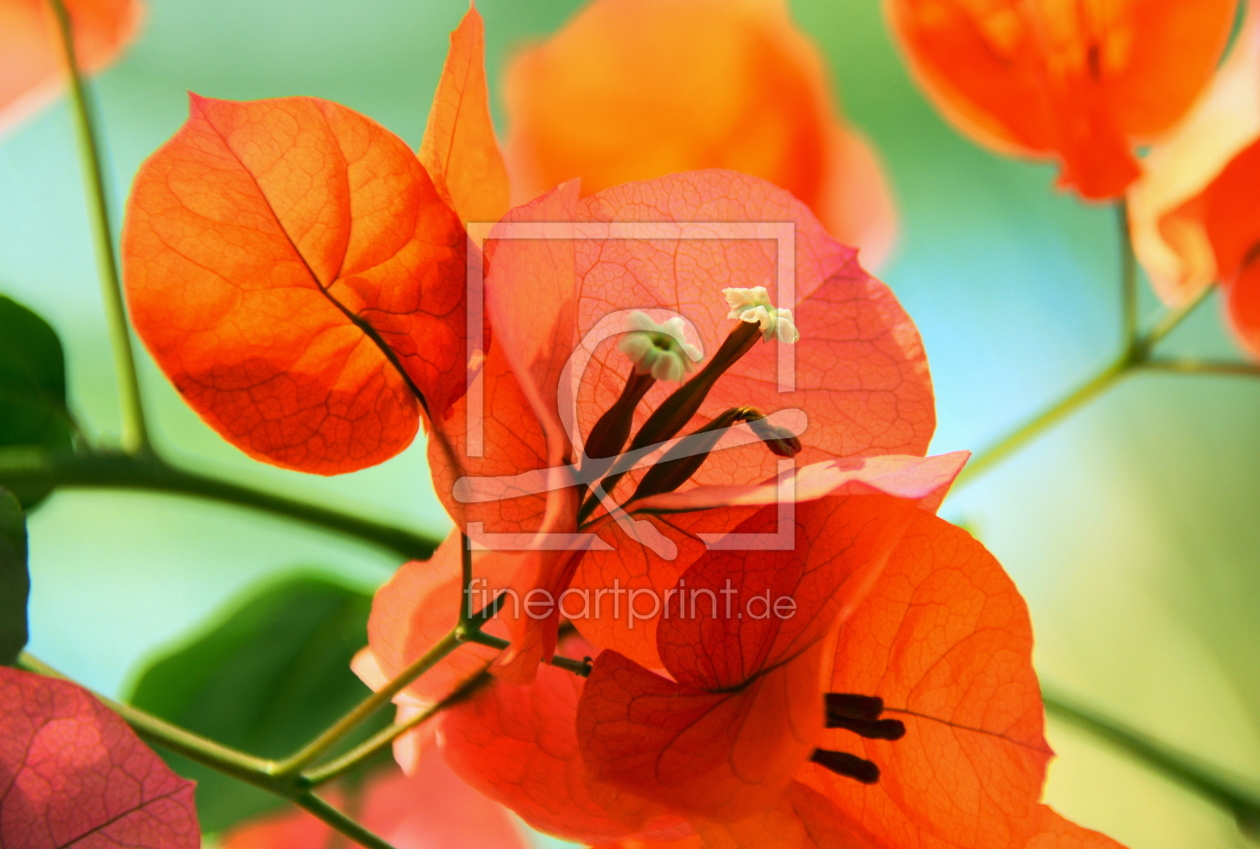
{"x": 673, "y": 414}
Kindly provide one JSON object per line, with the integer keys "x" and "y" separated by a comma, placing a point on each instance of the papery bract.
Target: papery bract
{"x": 32, "y": 61}
{"x": 1082, "y": 83}
{"x": 73, "y": 773}
{"x": 636, "y": 89}
{"x": 1165, "y": 214}
{"x": 433, "y": 809}
{"x": 519, "y": 746}
{"x": 459, "y": 149}
{"x": 295, "y": 273}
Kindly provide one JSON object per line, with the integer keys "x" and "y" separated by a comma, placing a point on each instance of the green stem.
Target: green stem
{"x": 203, "y": 750}
{"x": 342, "y": 823}
{"x": 1174, "y": 317}
{"x": 1128, "y": 277}
{"x": 26, "y": 467}
{"x": 1034, "y": 426}
{"x": 577, "y": 667}
{"x": 1189, "y": 366}
{"x": 1183, "y": 768}
{"x": 135, "y": 437}
{"x": 325, "y": 741}
{"x": 383, "y": 739}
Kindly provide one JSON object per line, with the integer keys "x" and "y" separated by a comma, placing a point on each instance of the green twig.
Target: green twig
{"x": 1183, "y": 768}
{"x": 339, "y": 729}
{"x": 577, "y": 667}
{"x": 1128, "y": 277}
{"x": 383, "y": 739}
{"x": 342, "y": 823}
{"x": 1191, "y": 366}
{"x": 28, "y": 467}
{"x": 135, "y": 437}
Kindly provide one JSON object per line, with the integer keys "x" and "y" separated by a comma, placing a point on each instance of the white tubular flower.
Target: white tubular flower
{"x": 753, "y": 306}
{"x": 658, "y": 349}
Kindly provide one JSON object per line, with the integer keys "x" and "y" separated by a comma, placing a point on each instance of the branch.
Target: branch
{"x": 1183, "y": 768}
{"x": 135, "y": 436}
{"x": 26, "y": 467}
{"x": 1189, "y": 366}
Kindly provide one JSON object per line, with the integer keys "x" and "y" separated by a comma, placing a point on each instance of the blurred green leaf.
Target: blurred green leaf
{"x": 271, "y": 672}
{"x": 15, "y": 581}
{"x": 32, "y": 387}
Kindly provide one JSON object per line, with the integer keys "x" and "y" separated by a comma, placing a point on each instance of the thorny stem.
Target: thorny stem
{"x": 1183, "y": 768}
{"x": 135, "y": 437}
{"x": 24, "y": 467}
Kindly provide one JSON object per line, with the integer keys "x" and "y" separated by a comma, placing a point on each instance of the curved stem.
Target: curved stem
{"x": 1183, "y": 768}
{"x": 1033, "y": 427}
{"x": 25, "y": 467}
{"x": 325, "y": 741}
{"x": 135, "y": 436}
{"x": 1128, "y": 277}
{"x": 342, "y": 823}
{"x": 1189, "y": 366}
{"x": 383, "y": 739}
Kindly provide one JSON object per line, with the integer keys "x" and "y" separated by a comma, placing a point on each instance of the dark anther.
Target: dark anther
{"x": 779, "y": 440}
{"x": 860, "y": 714}
{"x": 850, "y": 766}
{"x": 854, "y": 706}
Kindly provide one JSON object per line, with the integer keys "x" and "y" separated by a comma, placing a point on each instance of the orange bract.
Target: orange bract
{"x": 459, "y": 149}
{"x": 293, "y": 270}
{"x": 1231, "y": 220}
{"x": 635, "y": 89}
{"x": 1079, "y": 81}
{"x": 32, "y": 64}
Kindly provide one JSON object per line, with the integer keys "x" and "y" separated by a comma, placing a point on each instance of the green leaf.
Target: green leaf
{"x": 271, "y": 672}
{"x": 32, "y": 388}
{"x": 15, "y": 581}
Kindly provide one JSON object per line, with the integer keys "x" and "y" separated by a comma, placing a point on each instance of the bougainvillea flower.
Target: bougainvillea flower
{"x": 431, "y": 809}
{"x": 73, "y": 774}
{"x": 1081, "y": 83}
{"x": 636, "y": 89}
{"x": 32, "y": 62}
{"x": 299, "y": 274}
{"x": 917, "y": 723}
{"x": 555, "y": 377}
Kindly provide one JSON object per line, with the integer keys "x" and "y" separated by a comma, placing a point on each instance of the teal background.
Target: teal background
{"x": 1132, "y": 529}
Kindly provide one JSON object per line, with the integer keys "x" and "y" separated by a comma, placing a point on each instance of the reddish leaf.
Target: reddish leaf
{"x": 73, "y": 774}
{"x": 944, "y": 638}
{"x": 32, "y": 62}
{"x": 804, "y": 819}
{"x": 1079, "y": 82}
{"x": 518, "y": 746}
{"x": 459, "y": 149}
{"x": 637, "y": 89}
{"x": 293, "y": 270}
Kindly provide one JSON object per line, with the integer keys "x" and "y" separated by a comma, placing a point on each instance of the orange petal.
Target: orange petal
{"x": 1168, "y": 230}
{"x": 459, "y": 149}
{"x": 944, "y": 638}
{"x": 804, "y": 819}
{"x": 1231, "y": 219}
{"x": 716, "y": 755}
{"x": 32, "y": 63}
{"x": 419, "y": 605}
{"x": 293, "y": 271}
{"x": 1054, "y": 832}
{"x": 1243, "y": 303}
{"x": 745, "y": 640}
{"x": 1081, "y": 82}
{"x": 518, "y": 746}
{"x": 636, "y": 89}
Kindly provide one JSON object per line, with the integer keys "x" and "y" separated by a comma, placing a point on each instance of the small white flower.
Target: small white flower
{"x": 659, "y": 349}
{"x": 753, "y": 306}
